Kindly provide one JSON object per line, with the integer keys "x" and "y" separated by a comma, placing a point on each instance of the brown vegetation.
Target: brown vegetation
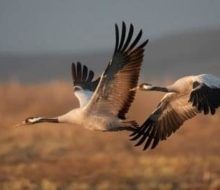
{"x": 65, "y": 157}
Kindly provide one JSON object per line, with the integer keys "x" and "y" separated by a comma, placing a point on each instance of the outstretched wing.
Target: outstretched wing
{"x": 113, "y": 93}
{"x": 169, "y": 115}
{"x": 83, "y": 77}
{"x": 206, "y": 99}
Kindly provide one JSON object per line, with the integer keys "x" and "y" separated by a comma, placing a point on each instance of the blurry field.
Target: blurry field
{"x": 66, "y": 157}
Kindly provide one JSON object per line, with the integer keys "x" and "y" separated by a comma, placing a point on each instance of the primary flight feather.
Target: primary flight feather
{"x": 105, "y": 101}
{"x": 183, "y": 100}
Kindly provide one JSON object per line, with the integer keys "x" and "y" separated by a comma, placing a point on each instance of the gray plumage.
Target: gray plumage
{"x": 105, "y": 101}
{"x": 183, "y": 100}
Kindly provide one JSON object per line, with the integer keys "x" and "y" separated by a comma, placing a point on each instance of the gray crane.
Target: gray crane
{"x": 105, "y": 101}
{"x": 183, "y": 100}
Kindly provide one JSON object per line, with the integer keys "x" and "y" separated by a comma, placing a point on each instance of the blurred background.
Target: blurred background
{"x": 38, "y": 42}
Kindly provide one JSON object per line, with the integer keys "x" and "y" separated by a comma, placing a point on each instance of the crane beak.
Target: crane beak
{"x": 134, "y": 89}
{"x": 20, "y": 124}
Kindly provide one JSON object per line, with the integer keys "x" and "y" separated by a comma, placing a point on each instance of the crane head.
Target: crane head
{"x": 143, "y": 86}
{"x": 32, "y": 120}
{"x": 29, "y": 121}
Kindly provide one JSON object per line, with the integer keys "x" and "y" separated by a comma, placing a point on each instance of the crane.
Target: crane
{"x": 183, "y": 100}
{"x": 105, "y": 101}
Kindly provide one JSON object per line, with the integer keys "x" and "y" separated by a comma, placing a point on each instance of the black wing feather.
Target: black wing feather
{"x": 85, "y": 72}
{"x": 90, "y": 76}
{"x": 123, "y": 34}
{"x": 116, "y": 38}
{"x": 83, "y": 77}
{"x": 130, "y": 34}
{"x": 165, "y": 120}
{"x": 79, "y": 71}
{"x": 126, "y": 62}
{"x": 205, "y": 98}
{"x": 134, "y": 43}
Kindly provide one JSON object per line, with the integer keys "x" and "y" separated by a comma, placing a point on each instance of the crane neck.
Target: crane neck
{"x": 159, "y": 88}
{"x": 48, "y": 120}
{"x": 73, "y": 116}
{"x": 33, "y": 120}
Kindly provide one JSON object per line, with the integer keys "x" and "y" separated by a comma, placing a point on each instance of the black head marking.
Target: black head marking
{"x": 32, "y": 120}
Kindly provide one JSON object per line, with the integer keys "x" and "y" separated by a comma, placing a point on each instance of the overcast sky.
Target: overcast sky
{"x": 75, "y": 26}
